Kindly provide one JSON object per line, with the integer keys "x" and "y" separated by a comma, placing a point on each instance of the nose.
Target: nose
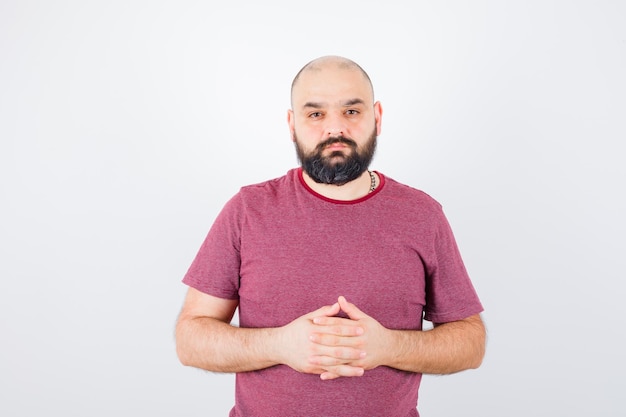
{"x": 335, "y": 126}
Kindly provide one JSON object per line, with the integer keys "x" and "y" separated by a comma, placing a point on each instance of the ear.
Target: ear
{"x": 291, "y": 123}
{"x": 378, "y": 116}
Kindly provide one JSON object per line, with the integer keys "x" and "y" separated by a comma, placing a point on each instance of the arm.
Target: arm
{"x": 448, "y": 348}
{"x": 205, "y": 339}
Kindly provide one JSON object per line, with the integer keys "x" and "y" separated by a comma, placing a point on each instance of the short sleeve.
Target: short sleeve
{"x": 450, "y": 295}
{"x": 215, "y": 269}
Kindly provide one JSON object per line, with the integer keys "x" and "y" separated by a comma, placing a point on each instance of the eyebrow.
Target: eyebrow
{"x": 347, "y": 103}
{"x": 352, "y": 102}
{"x": 312, "y": 104}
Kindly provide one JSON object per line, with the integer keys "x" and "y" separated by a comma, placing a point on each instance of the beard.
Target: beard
{"x": 337, "y": 168}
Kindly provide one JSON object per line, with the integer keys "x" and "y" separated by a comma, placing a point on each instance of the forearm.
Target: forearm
{"x": 448, "y": 348}
{"x": 214, "y": 345}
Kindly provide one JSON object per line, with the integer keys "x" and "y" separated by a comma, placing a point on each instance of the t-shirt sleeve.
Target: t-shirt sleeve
{"x": 450, "y": 295}
{"x": 215, "y": 269}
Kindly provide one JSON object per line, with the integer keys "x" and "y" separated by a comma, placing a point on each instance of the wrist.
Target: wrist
{"x": 394, "y": 344}
{"x": 274, "y": 342}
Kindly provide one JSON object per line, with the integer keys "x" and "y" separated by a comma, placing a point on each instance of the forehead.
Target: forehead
{"x": 330, "y": 84}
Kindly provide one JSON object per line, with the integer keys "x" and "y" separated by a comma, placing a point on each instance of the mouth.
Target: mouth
{"x": 337, "y": 146}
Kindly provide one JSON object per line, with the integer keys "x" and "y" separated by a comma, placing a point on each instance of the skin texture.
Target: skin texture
{"x": 331, "y": 97}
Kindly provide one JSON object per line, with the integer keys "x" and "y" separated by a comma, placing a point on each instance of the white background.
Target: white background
{"x": 126, "y": 125}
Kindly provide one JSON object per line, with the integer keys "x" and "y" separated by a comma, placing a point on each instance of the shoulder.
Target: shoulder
{"x": 403, "y": 194}
{"x": 270, "y": 193}
{"x": 254, "y": 200}
{"x": 270, "y": 187}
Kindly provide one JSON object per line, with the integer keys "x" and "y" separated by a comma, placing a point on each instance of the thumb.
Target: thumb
{"x": 327, "y": 311}
{"x": 350, "y": 309}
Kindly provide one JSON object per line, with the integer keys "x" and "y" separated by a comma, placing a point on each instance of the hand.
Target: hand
{"x": 371, "y": 340}
{"x": 298, "y": 347}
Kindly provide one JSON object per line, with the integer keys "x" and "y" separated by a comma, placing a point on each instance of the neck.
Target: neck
{"x": 352, "y": 190}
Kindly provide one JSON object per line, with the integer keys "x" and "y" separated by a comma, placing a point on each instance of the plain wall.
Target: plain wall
{"x": 126, "y": 125}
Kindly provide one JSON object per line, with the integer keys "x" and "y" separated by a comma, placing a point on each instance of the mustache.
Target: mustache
{"x": 337, "y": 139}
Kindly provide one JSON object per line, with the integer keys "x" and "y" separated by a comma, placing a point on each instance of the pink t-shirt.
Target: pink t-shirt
{"x": 283, "y": 251}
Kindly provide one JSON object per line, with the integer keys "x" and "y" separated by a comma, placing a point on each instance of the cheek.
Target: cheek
{"x": 310, "y": 129}
{"x": 307, "y": 134}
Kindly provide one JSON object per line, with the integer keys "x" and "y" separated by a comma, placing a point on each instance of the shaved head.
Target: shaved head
{"x": 331, "y": 61}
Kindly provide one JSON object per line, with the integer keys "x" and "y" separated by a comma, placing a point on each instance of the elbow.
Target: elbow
{"x": 183, "y": 357}
{"x": 475, "y": 348}
{"x": 182, "y": 352}
{"x": 479, "y": 351}
{"x": 476, "y": 360}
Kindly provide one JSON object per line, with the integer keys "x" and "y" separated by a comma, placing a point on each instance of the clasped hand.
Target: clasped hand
{"x": 333, "y": 347}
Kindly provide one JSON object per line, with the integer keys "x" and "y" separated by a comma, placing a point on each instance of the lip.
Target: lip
{"x": 336, "y": 146}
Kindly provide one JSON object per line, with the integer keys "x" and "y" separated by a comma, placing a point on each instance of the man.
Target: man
{"x": 332, "y": 268}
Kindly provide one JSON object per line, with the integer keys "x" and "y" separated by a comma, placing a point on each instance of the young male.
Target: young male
{"x": 332, "y": 268}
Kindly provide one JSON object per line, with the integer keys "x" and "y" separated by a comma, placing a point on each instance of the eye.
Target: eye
{"x": 315, "y": 115}
{"x": 352, "y": 112}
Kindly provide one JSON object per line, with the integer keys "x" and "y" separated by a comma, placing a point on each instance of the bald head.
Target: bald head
{"x": 330, "y": 62}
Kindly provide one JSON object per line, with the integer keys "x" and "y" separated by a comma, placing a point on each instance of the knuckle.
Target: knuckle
{"x": 331, "y": 340}
{"x": 346, "y": 353}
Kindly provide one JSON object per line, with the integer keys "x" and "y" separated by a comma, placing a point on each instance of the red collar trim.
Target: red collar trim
{"x": 381, "y": 178}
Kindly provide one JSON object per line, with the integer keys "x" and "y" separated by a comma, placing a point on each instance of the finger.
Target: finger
{"x": 350, "y": 309}
{"x": 342, "y": 371}
{"x": 327, "y": 376}
{"x": 332, "y": 356}
{"x": 338, "y": 326}
{"x": 326, "y": 311}
{"x": 332, "y": 340}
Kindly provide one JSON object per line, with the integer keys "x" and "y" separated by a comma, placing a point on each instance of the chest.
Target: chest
{"x": 296, "y": 262}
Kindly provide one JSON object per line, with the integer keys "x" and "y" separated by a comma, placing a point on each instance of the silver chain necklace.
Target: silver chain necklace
{"x": 373, "y": 184}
